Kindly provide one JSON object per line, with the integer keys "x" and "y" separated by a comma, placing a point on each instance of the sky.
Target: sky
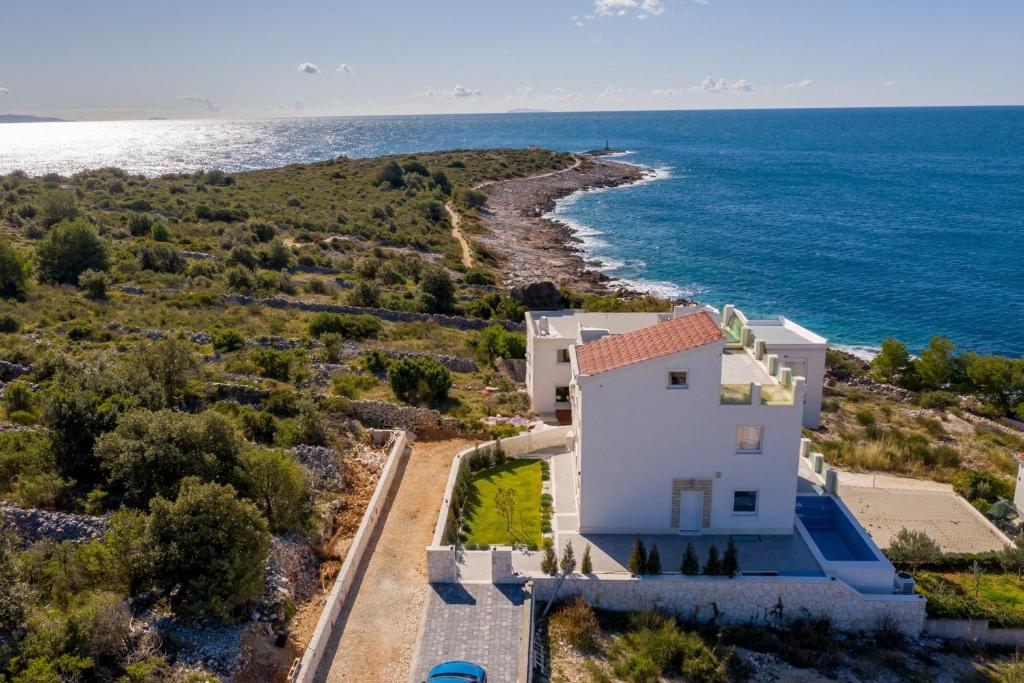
{"x": 130, "y": 59}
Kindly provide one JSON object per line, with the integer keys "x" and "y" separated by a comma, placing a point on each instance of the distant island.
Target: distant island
{"x": 26, "y": 118}
{"x": 527, "y": 110}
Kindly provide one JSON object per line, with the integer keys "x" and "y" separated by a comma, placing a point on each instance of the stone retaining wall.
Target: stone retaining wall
{"x": 32, "y": 524}
{"x": 745, "y": 600}
{"x": 384, "y": 415}
{"x": 455, "y": 321}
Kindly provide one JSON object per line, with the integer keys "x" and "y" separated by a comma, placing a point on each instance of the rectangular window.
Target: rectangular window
{"x": 561, "y": 394}
{"x": 563, "y": 355}
{"x": 749, "y": 439}
{"x": 744, "y": 502}
{"x": 677, "y": 379}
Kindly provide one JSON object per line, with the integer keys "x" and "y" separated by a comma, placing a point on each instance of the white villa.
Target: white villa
{"x": 683, "y": 422}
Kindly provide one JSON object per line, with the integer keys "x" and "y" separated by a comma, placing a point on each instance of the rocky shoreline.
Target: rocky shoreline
{"x": 534, "y": 248}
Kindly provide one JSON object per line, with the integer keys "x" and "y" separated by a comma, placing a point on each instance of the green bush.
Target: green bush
{"x": 58, "y": 205}
{"x": 376, "y": 360}
{"x": 352, "y": 384}
{"x": 497, "y": 342}
{"x": 95, "y": 284}
{"x": 14, "y": 271}
{"x": 437, "y": 292}
{"x": 161, "y": 258}
{"x": 938, "y": 400}
{"x": 213, "y": 545}
{"x": 228, "y": 339}
{"x": 575, "y": 624}
{"x": 160, "y": 233}
{"x": 277, "y": 485}
{"x": 149, "y": 453}
{"x": 973, "y": 484}
{"x": 479, "y": 276}
{"x": 9, "y": 324}
{"x": 419, "y": 380}
{"x": 68, "y": 250}
{"x": 345, "y": 325}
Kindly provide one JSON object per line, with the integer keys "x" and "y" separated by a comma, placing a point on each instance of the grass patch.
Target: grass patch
{"x": 485, "y": 523}
{"x": 952, "y": 595}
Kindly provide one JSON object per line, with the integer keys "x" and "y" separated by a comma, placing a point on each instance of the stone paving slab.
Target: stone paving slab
{"x": 481, "y": 623}
{"x": 940, "y": 513}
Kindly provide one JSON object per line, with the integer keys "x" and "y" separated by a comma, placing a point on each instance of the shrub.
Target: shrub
{"x": 419, "y": 380}
{"x": 479, "y": 276}
{"x": 351, "y": 384}
{"x": 149, "y": 453}
{"x": 365, "y": 295}
{"x": 437, "y": 293}
{"x": 227, "y": 339}
{"x": 474, "y": 199}
{"x": 497, "y": 342}
{"x": 567, "y": 565}
{"x": 713, "y": 565}
{"x": 276, "y": 255}
{"x": 911, "y": 549}
{"x": 937, "y": 366}
{"x": 376, "y": 360}
{"x": 998, "y": 380}
{"x": 549, "y": 563}
{"x": 586, "y": 564}
{"x": 212, "y": 544}
{"x": 14, "y": 271}
{"x": 58, "y": 205}
{"x": 9, "y": 324}
{"x": 575, "y": 624}
{"x": 655, "y": 647}
{"x": 276, "y": 484}
{"x": 140, "y": 224}
{"x": 653, "y": 561}
{"x": 893, "y": 364}
{"x": 973, "y": 484}
{"x": 637, "y": 558}
{"x": 691, "y": 564}
{"x": 730, "y": 561}
{"x": 391, "y": 174}
{"x": 279, "y": 365}
{"x": 95, "y": 283}
{"x": 345, "y": 325}
{"x": 160, "y": 233}
{"x": 68, "y": 250}
{"x": 938, "y": 400}
{"x": 161, "y": 258}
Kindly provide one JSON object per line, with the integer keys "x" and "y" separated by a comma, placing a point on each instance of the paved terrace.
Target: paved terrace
{"x": 787, "y": 555}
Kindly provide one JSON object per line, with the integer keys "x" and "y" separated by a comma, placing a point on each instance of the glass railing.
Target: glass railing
{"x": 735, "y": 394}
{"x": 775, "y": 395}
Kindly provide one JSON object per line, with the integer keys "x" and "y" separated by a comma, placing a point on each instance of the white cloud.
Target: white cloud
{"x": 4, "y": 92}
{"x": 345, "y": 68}
{"x": 529, "y": 96}
{"x": 710, "y": 85}
{"x": 200, "y": 100}
{"x": 798, "y": 84}
{"x": 307, "y": 68}
{"x": 611, "y": 93}
{"x": 458, "y": 92}
{"x": 620, "y": 8}
{"x": 889, "y": 84}
{"x": 563, "y": 94}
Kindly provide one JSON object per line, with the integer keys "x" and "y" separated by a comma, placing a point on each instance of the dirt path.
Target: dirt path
{"x": 382, "y": 618}
{"x": 456, "y": 220}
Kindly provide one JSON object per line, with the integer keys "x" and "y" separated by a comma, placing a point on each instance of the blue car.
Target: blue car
{"x": 457, "y": 672}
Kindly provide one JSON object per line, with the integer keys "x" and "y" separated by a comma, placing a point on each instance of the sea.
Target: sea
{"x": 860, "y": 224}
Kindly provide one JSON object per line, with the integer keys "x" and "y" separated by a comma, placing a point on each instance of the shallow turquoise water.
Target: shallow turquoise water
{"x": 859, "y": 223}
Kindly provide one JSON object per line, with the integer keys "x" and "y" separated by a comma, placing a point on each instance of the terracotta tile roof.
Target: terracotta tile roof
{"x": 671, "y": 336}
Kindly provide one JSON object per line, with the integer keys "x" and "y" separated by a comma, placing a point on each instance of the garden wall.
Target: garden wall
{"x": 974, "y": 631}
{"x": 327, "y": 624}
{"x": 744, "y": 600}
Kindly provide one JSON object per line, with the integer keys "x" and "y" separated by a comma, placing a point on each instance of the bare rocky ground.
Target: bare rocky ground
{"x": 534, "y": 248}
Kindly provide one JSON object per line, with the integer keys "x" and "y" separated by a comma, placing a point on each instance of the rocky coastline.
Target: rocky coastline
{"x": 535, "y": 248}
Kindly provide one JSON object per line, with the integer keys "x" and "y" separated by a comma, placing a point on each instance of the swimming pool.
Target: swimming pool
{"x": 832, "y": 531}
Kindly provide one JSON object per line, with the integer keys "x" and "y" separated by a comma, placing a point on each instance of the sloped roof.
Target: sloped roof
{"x": 662, "y": 339}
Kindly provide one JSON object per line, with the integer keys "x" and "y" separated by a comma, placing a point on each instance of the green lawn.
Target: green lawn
{"x": 1000, "y": 597}
{"x": 485, "y": 523}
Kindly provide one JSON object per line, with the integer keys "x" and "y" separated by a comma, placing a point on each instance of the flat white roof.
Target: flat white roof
{"x": 739, "y": 367}
{"x": 784, "y": 332}
{"x": 566, "y": 324}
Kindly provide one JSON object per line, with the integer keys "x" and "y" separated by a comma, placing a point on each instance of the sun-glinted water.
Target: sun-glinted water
{"x": 860, "y": 223}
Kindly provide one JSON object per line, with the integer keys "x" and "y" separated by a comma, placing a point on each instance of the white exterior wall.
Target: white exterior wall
{"x": 1018, "y": 492}
{"x": 634, "y": 436}
{"x": 815, "y": 357}
{"x": 544, "y": 372}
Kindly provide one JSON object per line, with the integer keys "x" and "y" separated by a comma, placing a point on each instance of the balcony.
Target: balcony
{"x": 736, "y": 394}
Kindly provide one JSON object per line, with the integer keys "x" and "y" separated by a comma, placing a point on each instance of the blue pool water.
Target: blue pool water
{"x": 831, "y": 530}
{"x": 859, "y": 223}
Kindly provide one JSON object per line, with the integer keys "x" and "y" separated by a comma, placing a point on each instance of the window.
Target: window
{"x": 748, "y": 439}
{"x": 677, "y": 379}
{"x": 563, "y": 355}
{"x": 744, "y": 502}
{"x": 561, "y": 394}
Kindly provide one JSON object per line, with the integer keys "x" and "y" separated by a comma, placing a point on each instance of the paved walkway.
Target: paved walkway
{"x": 381, "y": 617}
{"x": 481, "y": 623}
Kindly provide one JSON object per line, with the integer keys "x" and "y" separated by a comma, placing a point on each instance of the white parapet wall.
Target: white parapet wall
{"x": 441, "y": 557}
{"x": 328, "y": 622}
{"x": 757, "y": 600}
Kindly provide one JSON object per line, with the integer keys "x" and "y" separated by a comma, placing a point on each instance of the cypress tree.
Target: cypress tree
{"x": 638, "y": 558}
{"x": 549, "y": 565}
{"x": 713, "y": 566}
{"x": 691, "y": 563}
{"x": 730, "y": 562}
{"x": 654, "y": 561}
{"x": 586, "y": 566}
{"x": 568, "y": 564}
